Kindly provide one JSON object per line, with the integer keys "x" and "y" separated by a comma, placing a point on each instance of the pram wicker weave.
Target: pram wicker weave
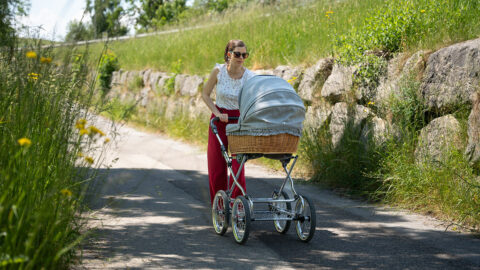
{"x": 283, "y": 143}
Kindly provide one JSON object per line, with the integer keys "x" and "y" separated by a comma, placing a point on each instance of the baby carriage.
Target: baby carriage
{"x": 269, "y": 125}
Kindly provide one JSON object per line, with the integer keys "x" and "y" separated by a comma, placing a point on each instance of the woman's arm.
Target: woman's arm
{"x": 207, "y": 91}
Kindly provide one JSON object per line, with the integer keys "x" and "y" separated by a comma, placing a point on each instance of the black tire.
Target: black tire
{"x": 220, "y": 212}
{"x": 305, "y": 226}
{"x": 241, "y": 219}
{"x": 281, "y": 226}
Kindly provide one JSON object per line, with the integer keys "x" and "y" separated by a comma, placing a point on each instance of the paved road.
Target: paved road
{"x": 152, "y": 212}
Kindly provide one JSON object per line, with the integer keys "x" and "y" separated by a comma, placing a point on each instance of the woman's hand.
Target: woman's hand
{"x": 223, "y": 117}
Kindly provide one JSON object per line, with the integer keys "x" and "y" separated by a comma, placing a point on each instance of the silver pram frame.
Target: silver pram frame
{"x": 240, "y": 212}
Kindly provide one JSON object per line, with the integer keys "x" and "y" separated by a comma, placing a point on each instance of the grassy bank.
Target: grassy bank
{"x": 44, "y": 158}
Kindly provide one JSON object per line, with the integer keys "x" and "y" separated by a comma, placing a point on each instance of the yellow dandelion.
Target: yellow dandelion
{"x": 371, "y": 103}
{"x": 94, "y": 130}
{"x": 89, "y": 160}
{"x": 422, "y": 11}
{"x": 33, "y": 76}
{"x": 24, "y": 142}
{"x": 46, "y": 60}
{"x": 66, "y": 192}
{"x": 106, "y": 140}
{"x": 31, "y": 54}
{"x": 81, "y": 123}
{"x": 84, "y": 132}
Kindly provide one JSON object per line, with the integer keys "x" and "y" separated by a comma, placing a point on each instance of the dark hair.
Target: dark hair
{"x": 231, "y": 45}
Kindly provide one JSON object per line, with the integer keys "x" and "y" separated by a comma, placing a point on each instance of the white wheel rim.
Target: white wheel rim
{"x": 279, "y": 224}
{"x": 218, "y": 216}
{"x": 238, "y": 215}
{"x": 303, "y": 227}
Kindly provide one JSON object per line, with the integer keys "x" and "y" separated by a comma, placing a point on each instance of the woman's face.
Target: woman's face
{"x": 238, "y": 55}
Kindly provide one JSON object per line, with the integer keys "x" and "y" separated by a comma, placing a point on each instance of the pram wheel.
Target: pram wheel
{"x": 306, "y": 222}
{"x": 278, "y": 209}
{"x": 220, "y": 212}
{"x": 241, "y": 219}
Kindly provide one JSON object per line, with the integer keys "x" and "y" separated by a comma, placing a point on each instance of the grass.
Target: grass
{"x": 44, "y": 161}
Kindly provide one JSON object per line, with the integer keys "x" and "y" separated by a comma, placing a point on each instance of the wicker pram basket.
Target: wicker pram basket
{"x": 274, "y": 144}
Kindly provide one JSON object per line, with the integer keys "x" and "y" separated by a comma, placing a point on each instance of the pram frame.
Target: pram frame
{"x": 290, "y": 214}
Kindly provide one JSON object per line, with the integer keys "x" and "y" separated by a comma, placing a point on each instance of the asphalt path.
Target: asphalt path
{"x": 150, "y": 210}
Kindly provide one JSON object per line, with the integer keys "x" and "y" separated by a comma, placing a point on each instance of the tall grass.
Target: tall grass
{"x": 294, "y": 32}
{"x": 41, "y": 164}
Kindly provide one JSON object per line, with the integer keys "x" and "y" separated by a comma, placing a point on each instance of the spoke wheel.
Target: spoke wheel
{"x": 278, "y": 209}
{"x": 220, "y": 212}
{"x": 241, "y": 219}
{"x": 305, "y": 225}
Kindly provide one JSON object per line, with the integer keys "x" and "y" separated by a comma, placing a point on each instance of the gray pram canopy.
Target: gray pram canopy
{"x": 268, "y": 106}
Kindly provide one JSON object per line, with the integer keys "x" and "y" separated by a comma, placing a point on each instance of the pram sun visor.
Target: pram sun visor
{"x": 268, "y": 106}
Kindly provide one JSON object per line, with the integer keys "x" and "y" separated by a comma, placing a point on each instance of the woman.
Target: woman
{"x": 229, "y": 79}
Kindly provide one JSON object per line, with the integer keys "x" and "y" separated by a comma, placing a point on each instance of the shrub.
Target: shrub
{"x": 108, "y": 64}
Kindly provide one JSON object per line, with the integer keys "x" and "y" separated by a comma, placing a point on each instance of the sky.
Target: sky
{"x": 53, "y": 16}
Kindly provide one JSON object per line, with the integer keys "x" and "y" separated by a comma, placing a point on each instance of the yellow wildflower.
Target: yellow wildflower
{"x": 33, "y": 76}
{"x": 329, "y": 12}
{"x": 371, "y": 103}
{"x": 79, "y": 154}
{"x": 422, "y": 11}
{"x": 46, "y": 60}
{"x": 31, "y": 54}
{"x": 80, "y": 123}
{"x": 66, "y": 192}
{"x": 89, "y": 160}
{"x": 106, "y": 140}
{"x": 84, "y": 131}
{"x": 24, "y": 142}
{"x": 292, "y": 80}
{"x": 94, "y": 130}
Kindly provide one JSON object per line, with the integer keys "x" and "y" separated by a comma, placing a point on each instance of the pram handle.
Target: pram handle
{"x": 215, "y": 119}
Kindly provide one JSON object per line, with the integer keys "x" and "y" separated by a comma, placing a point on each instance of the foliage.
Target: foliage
{"x": 151, "y": 14}
{"x": 108, "y": 64}
{"x": 78, "y": 31}
{"x": 176, "y": 68}
{"x": 106, "y": 15}
{"x": 44, "y": 161}
{"x": 9, "y": 9}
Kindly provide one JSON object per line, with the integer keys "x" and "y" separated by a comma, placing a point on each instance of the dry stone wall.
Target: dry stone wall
{"x": 449, "y": 78}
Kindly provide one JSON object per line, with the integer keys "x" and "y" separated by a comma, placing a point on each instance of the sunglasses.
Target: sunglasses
{"x": 238, "y": 54}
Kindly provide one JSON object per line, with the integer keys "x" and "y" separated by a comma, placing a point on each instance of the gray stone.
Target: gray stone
{"x": 146, "y": 77}
{"x": 343, "y": 117}
{"x": 397, "y": 74}
{"x": 263, "y": 72}
{"x": 288, "y": 73}
{"x": 375, "y": 131}
{"x": 131, "y": 76}
{"x": 472, "y": 151}
{"x": 116, "y": 78}
{"x": 180, "y": 82}
{"x": 191, "y": 85}
{"x": 338, "y": 83}
{"x": 160, "y": 85}
{"x": 154, "y": 78}
{"x": 314, "y": 78}
{"x": 451, "y": 76}
{"x": 438, "y": 138}
{"x": 144, "y": 96}
{"x": 317, "y": 114}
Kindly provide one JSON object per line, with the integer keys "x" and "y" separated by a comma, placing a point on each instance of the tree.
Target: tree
{"x": 78, "y": 31}
{"x": 106, "y": 15}
{"x": 151, "y": 14}
{"x": 9, "y": 9}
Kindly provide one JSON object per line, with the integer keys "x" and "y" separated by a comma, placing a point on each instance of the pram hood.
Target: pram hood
{"x": 268, "y": 106}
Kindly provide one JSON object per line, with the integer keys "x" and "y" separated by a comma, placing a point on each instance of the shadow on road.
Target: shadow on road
{"x": 161, "y": 218}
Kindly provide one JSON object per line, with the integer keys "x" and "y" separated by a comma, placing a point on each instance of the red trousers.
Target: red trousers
{"x": 217, "y": 166}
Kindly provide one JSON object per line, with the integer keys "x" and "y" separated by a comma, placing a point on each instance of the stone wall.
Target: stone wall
{"x": 449, "y": 79}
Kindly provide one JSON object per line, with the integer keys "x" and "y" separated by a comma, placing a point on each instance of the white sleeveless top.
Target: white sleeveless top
{"x": 228, "y": 88}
